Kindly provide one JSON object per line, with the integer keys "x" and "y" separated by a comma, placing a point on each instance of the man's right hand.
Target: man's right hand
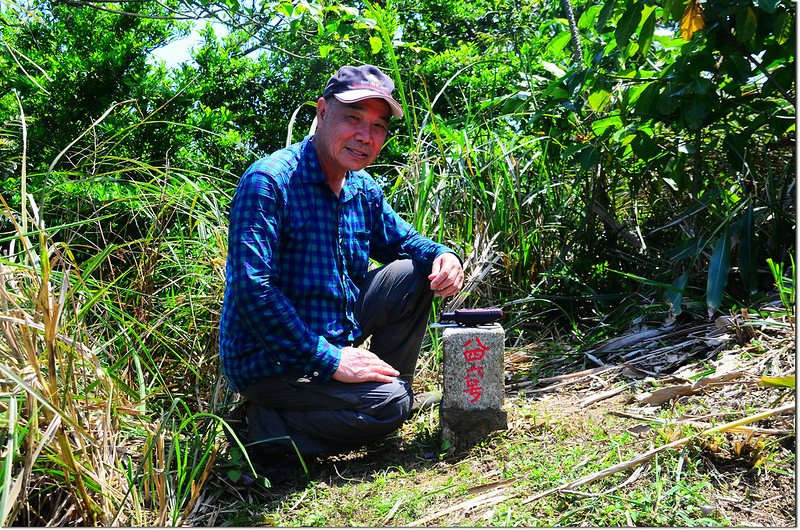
{"x": 358, "y": 365}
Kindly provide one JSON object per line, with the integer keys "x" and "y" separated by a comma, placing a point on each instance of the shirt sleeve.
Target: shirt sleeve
{"x": 394, "y": 238}
{"x": 263, "y": 310}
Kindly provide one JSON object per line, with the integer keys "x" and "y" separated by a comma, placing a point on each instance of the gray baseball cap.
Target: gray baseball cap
{"x": 356, "y": 83}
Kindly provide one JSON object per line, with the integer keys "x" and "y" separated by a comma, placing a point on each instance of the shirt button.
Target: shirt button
{"x": 316, "y": 374}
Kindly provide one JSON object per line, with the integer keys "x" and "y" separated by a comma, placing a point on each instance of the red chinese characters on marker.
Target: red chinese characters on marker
{"x": 474, "y": 351}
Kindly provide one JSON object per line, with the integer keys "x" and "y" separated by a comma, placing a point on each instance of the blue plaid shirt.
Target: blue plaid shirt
{"x": 297, "y": 258}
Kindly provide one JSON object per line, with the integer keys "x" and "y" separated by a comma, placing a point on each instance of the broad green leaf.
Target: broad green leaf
{"x": 599, "y": 99}
{"x": 285, "y": 8}
{"x": 324, "y": 50}
{"x": 695, "y": 113}
{"x": 234, "y": 474}
{"x": 589, "y": 17}
{"x": 627, "y": 24}
{"x": 553, "y": 69}
{"x": 605, "y": 14}
{"x": 739, "y": 68}
{"x": 632, "y": 93}
{"x": 746, "y": 25}
{"x": 644, "y": 146}
{"x": 588, "y": 157}
{"x": 375, "y": 44}
{"x": 674, "y": 295}
{"x": 599, "y": 127}
{"x": 646, "y": 34}
{"x": 668, "y": 103}
{"x": 747, "y": 249}
{"x": 675, "y": 8}
{"x": 556, "y": 92}
{"x": 784, "y": 27}
{"x": 558, "y": 43}
{"x": 786, "y": 381}
{"x": 718, "y": 269}
{"x": 692, "y": 20}
{"x": 645, "y": 101}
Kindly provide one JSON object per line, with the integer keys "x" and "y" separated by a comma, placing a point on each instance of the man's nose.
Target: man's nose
{"x": 363, "y": 133}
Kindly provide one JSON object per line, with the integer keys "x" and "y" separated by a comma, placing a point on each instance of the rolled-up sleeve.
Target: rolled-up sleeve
{"x": 394, "y": 238}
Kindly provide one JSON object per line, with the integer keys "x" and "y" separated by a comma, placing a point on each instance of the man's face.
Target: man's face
{"x": 350, "y": 136}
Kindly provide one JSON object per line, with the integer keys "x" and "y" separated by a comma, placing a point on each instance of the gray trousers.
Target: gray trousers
{"x": 335, "y": 417}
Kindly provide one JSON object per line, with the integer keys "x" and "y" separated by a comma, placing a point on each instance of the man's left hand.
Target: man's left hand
{"x": 447, "y": 276}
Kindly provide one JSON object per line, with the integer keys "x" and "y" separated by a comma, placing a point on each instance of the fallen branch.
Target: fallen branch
{"x": 650, "y": 454}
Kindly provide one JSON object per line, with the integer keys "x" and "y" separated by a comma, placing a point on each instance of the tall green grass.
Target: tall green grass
{"x": 108, "y": 370}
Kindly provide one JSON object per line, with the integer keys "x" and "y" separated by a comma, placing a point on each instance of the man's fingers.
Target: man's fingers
{"x": 446, "y": 276}
{"x": 435, "y": 268}
{"x": 448, "y": 291}
{"x": 358, "y": 364}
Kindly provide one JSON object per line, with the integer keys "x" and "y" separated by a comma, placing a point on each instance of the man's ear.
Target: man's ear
{"x": 322, "y": 107}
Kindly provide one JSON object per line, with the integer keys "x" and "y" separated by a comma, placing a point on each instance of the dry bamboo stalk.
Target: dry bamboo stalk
{"x": 393, "y": 511}
{"x": 605, "y": 395}
{"x": 564, "y": 380}
{"x": 487, "y": 499}
{"x": 703, "y": 425}
{"x": 644, "y": 457}
{"x": 574, "y": 375}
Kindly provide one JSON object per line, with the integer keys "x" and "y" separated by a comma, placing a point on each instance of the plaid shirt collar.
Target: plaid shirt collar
{"x": 353, "y": 183}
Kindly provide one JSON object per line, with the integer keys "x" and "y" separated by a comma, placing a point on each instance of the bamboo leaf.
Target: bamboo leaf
{"x": 786, "y": 381}
{"x": 718, "y": 269}
{"x": 692, "y": 20}
{"x": 674, "y": 294}
{"x": 7, "y": 496}
{"x": 746, "y": 254}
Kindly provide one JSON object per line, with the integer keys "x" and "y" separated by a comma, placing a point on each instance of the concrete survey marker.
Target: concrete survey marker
{"x": 473, "y": 389}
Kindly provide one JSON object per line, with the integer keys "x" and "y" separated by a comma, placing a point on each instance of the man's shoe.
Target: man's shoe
{"x": 425, "y": 401}
{"x": 280, "y": 471}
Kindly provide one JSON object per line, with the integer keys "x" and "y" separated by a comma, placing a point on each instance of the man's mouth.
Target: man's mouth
{"x": 356, "y": 152}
